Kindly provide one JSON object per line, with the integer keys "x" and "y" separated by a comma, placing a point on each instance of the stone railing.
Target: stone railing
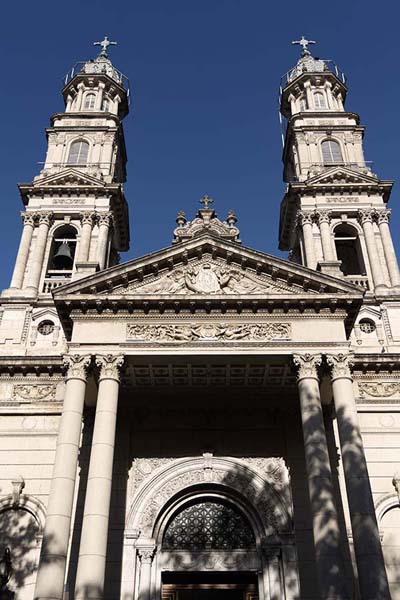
{"x": 361, "y": 280}
{"x": 51, "y": 283}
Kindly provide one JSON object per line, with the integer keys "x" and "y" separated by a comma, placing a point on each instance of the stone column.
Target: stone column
{"x": 324, "y": 217}
{"x": 305, "y": 219}
{"x": 93, "y": 546}
{"x": 36, "y": 264}
{"x": 146, "y": 556}
{"x": 310, "y": 100}
{"x": 86, "y": 235}
{"x": 23, "y": 250}
{"x": 320, "y": 488}
{"x": 366, "y": 219}
{"x": 390, "y": 254}
{"x": 80, "y": 87}
{"x": 105, "y": 221}
{"x": 99, "y": 97}
{"x": 53, "y": 557}
{"x": 367, "y": 547}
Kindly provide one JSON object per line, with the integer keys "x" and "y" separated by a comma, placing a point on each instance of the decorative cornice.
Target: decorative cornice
{"x": 340, "y": 365}
{"x": 110, "y": 365}
{"x": 307, "y": 365}
{"x": 77, "y": 366}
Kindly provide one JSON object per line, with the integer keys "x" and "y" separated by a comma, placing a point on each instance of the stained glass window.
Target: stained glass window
{"x": 208, "y": 526}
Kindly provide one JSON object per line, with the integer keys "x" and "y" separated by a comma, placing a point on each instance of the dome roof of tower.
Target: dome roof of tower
{"x": 102, "y": 65}
{"x": 307, "y": 63}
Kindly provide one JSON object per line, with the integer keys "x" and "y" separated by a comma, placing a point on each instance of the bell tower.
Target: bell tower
{"x": 75, "y": 220}
{"x": 76, "y": 215}
{"x": 334, "y": 214}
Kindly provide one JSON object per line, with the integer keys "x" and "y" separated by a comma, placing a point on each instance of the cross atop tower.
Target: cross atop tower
{"x": 304, "y": 44}
{"x": 104, "y": 45}
{"x": 206, "y": 200}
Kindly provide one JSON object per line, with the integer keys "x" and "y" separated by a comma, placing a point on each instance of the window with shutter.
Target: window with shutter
{"x": 331, "y": 153}
{"x": 78, "y": 153}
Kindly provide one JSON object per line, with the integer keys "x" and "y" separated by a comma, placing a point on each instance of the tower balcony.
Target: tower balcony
{"x": 97, "y": 67}
{"x": 309, "y": 65}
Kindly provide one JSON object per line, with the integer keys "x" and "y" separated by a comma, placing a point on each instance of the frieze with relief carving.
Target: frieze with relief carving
{"x": 34, "y": 393}
{"x": 193, "y": 332}
{"x": 379, "y": 389}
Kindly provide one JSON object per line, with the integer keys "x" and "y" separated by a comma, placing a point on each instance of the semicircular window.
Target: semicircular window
{"x": 208, "y": 526}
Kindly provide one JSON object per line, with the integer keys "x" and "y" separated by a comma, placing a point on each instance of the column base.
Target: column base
{"x": 19, "y": 293}
{"x": 83, "y": 269}
{"x": 331, "y": 267}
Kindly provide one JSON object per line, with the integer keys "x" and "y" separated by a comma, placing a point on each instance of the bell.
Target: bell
{"x": 63, "y": 257}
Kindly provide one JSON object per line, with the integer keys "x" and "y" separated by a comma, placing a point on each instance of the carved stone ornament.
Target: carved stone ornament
{"x": 146, "y": 555}
{"x": 339, "y": 365}
{"x": 32, "y": 393}
{"x": 379, "y": 389}
{"x": 206, "y": 220}
{"x": 87, "y": 218}
{"x": 104, "y": 218}
{"x": 383, "y": 216}
{"x": 28, "y": 218}
{"x": 46, "y": 218}
{"x": 323, "y": 216}
{"x": 193, "y": 332}
{"x": 208, "y": 278}
{"x": 77, "y": 365}
{"x": 274, "y": 467}
{"x": 110, "y": 365}
{"x": 307, "y": 365}
{"x": 366, "y": 215}
{"x": 212, "y": 561}
{"x": 17, "y": 487}
{"x": 305, "y": 218}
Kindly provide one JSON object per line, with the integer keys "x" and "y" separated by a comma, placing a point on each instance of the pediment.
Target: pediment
{"x": 68, "y": 177}
{"x": 206, "y": 268}
{"x": 342, "y": 175}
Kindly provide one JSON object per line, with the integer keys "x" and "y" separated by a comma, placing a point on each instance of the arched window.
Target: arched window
{"x": 106, "y": 105}
{"x": 319, "y": 100}
{"x": 331, "y": 153}
{"x": 62, "y": 252}
{"x": 78, "y": 153}
{"x": 348, "y": 250}
{"x": 303, "y": 103}
{"x": 90, "y": 101}
{"x": 208, "y": 525}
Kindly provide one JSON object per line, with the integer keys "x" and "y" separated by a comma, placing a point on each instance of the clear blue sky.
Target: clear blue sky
{"x": 204, "y": 119}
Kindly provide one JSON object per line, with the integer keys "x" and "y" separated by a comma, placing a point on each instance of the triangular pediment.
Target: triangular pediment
{"x": 68, "y": 177}
{"x": 342, "y": 175}
{"x": 206, "y": 268}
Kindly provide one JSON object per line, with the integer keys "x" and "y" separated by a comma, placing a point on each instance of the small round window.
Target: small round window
{"x": 46, "y": 327}
{"x": 367, "y": 326}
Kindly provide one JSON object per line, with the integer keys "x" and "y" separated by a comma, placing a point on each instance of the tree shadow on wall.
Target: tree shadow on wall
{"x": 19, "y": 531}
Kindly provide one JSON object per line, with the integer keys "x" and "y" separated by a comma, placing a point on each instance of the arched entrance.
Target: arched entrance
{"x": 213, "y": 528}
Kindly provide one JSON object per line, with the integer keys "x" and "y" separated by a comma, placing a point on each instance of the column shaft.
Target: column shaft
{"x": 86, "y": 234}
{"x": 146, "y": 559}
{"x": 306, "y": 223}
{"x": 36, "y": 264}
{"x": 23, "y": 251}
{"x": 53, "y": 557}
{"x": 102, "y": 244}
{"x": 372, "y": 249}
{"x": 367, "y": 547}
{"x": 326, "y": 240}
{"x": 93, "y": 547}
{"x": 390, "y": 254}
{"x": 320, "y": 488}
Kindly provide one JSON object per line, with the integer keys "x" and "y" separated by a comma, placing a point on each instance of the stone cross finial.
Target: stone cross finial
{"x": 304, "y": 44}
{"x": 104, "y": 45}
{"x": 206, "y": 200}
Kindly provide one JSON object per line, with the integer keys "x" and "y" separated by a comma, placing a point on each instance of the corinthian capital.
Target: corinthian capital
{"x": 87, "y": 218}
{"x": 104, "y": 218}
{"x": 307, "y": 365}
{"x": 339, "y": 365}
{"x": 323, "y": 216}
{"x": 366, "y": 215}
{"x": 304, "y": 218}
{"x": 28, "y": 218}
{"x": 46, "y": 218}
{"x": 110, "y": 365}
{"x": 146, "y": 555}
{"x": 383, "y": 215}
{"x": 77, "y": 365}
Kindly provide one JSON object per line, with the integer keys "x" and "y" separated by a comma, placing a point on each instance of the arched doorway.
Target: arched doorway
{"x": 212, "y": 527}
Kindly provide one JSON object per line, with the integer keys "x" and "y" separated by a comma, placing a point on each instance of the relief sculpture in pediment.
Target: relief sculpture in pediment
{"x": 206, "y": 278}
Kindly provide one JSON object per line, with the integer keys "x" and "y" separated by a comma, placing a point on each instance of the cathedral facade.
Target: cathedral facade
{"x": 207, "y": 420}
